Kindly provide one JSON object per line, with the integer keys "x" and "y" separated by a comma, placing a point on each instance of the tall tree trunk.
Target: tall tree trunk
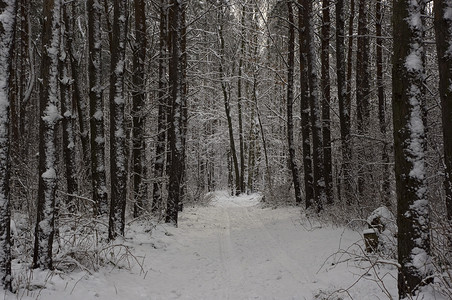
{"x": 162, "y": 128}
{"x": 48, "y": 107}
{"x": 344, "y": 106}
{"x": 290, "y": 100}
{"x": 96, "y": 102}
{"x": 409, "y": 138}
{"x": 386, "y": 186}
{"x": 176, "y": 83}
{"x": 443, "y": 28}
{"x": 227, "y": 107}
{"x": 316, "y": 122}
{"x": 346, "y": 119}
{"x": 326, "y": 99}
{"x": 303, "y": 20}
{"x": 27, "y": 73}
{"x": 118, "y": 171}
{"x": 362, "y": 71}
{"x": 139, "y": 101}
{"x": 240, "y": 100}
{"x": 363, "y": 91}
{"x": 184, "y": 107}
{"x": 80, "y": 105}
{"x": 7, "y": 30}
{"x": 67, "y": 109}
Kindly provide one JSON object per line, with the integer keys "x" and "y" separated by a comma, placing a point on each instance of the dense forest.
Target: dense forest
{"x": 120, "y": 110}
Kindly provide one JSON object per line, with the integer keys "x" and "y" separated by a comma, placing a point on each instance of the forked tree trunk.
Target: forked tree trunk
{"x": 227, "y": 107}
{"x": 68, "y": 111}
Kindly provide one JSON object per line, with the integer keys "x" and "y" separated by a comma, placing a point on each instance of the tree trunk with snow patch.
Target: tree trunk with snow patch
{"x": 176, "y": 138}
{"x": 50, "y": 116}
{"x": 413, "y": 219}
{"x": 118, "y": 170}
{"x": 68, "y": 110}
{"x": 96, "y": 103}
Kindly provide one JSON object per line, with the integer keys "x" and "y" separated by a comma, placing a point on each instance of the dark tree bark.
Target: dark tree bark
{"x": 386, "y": 186}
{"x": 303, "y": 19}
{"x": 176, "y": 133}
{"x": 316, "y": 122}
{"x": 348, "y": 187}
{"x": 344, "y": 100}
{"x": 99, "y": 183}
{"x": 7, "y": 30}
{"x": 362, "y": 71}
{"x": 48, "y": 102}
{"x": 162, "y": 126}
{"x": 67, "y": 109}
{"x": 326, "y": 99}
{"x": 118, "y": 171}
{"x": 443, "y": 28}
{"x": 227, "y": 107}
{"x": 363, "y": 93}
{"x": 139, "y": 101}
{"x": 290, "y": 100}
{"x": 240, "y": 100}
{"x": 409, "y": 139}
{"x": 80, "y": 105}
{"x": 184, "y": 121}
{"x": 351, "y": 22}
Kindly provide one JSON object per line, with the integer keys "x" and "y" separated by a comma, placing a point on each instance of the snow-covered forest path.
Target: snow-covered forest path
{"x": 230, "y": 249}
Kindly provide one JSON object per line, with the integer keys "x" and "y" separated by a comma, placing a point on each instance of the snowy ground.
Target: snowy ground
{"x": 231, "y": 249}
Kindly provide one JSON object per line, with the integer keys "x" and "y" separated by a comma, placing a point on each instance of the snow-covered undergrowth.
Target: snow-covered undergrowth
{"x": 232, "y": 248}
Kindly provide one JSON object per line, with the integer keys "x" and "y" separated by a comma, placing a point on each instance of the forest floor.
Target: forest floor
{"x": 230, "y": 249}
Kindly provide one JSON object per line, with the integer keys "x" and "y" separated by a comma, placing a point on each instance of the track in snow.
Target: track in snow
{"x": 231, "y": 249}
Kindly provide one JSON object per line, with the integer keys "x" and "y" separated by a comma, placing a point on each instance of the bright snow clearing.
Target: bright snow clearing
{"x": 232, "y": 249}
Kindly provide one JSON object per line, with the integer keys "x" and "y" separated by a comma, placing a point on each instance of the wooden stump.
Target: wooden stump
{"x": 371, "y": 240}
